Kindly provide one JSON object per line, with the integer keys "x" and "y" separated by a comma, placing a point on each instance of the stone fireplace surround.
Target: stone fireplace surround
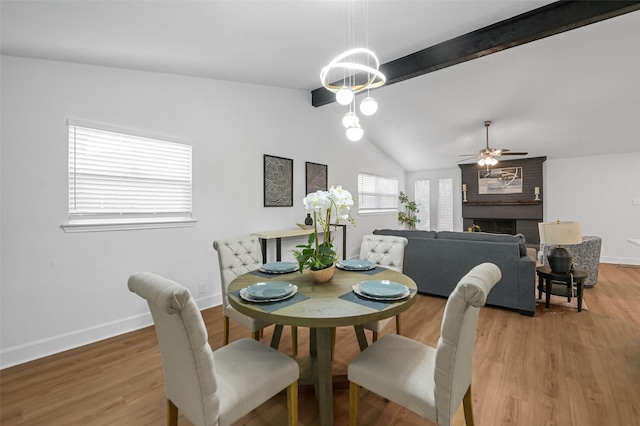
{"x": 506, "y": 213}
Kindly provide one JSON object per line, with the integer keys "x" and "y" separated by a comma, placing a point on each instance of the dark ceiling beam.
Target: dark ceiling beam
{"x": 545, "y": 21}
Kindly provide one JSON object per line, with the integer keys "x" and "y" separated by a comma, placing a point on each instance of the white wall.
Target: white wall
{"x": 63, "y": 290}
{"x": 598, "y": 192}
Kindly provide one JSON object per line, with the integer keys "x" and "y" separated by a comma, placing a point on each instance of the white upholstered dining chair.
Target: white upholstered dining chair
{"x": 386, "y": 251}
{"x": 431, "y": 382}
{"x": 211, "y": 387}
{"x": 237, "y": 256}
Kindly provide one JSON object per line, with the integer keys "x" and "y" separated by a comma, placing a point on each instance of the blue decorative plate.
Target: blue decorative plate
{"x": 245, "y": 296}
{"x": 279, "y": 267}
{"x": 382, "y": 288}
{"x": 270, "y": 290}
{"x": 355, "y": 265}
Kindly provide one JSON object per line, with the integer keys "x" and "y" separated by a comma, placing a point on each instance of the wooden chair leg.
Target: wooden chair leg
{"x": 333, "y": 342}
{"x": 255, "y": 335}
{"x": 398, "y": 325}
{"x": 292, "y": 404}
{"x": 172, "y": 414}
{"x": 261, "y": 335}
{"x": 225, "y": 330}
{"x": 467, "y": 404}
{"x": 294, "y": 340}
{"x": 354, "y": 403}
{"x": 375, "y": 336}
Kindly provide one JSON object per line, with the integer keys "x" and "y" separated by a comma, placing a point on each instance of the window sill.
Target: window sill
{"x": 376, "y": 212}
{"x": 100, "y": 226}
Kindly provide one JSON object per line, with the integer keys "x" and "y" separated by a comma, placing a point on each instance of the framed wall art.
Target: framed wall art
{"x": 316, "y": 177}
{"x": 507, "y": 180}
{"x": 278, "y": 181}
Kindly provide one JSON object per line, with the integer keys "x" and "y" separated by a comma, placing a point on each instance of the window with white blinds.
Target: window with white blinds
{"x": 118, "y": 177}
{"x": 377, "y": 194}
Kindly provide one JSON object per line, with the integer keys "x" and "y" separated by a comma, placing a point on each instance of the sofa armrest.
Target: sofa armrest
{"x": 526, "y": 285}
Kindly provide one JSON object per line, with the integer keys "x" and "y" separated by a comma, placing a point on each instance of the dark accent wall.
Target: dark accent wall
{"x": 522, "y": 207}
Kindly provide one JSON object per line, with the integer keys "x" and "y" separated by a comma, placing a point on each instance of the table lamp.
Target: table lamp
{"x": 559, "y": 233}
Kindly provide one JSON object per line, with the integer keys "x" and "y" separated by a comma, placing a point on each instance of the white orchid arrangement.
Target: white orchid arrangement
{"x": 324, "y": 204}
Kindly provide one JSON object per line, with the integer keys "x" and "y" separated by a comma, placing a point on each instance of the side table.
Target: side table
{"x": 545, "y": 282}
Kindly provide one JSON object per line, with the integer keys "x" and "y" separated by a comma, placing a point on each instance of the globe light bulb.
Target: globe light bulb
{"x": 344, "y": 96}
{"x": 355, "y": 132}
{"x": 493, "y": 161}
{"x": 368, "y": 106}
{"x": 349, "y": 119}
{"x": 481, "y": 162}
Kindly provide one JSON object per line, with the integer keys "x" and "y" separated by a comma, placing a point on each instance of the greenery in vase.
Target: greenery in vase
{"x": 326, "y": 206}
{"x": 410, "y": 215}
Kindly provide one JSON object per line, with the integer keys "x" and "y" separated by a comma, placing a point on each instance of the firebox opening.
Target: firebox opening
{"x": 496, "y": 226}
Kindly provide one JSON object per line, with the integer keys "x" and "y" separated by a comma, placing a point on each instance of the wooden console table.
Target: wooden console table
{"x": 264, "y": 237}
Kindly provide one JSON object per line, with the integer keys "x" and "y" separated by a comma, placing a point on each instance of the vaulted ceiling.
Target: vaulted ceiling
{"x": 572, "y": 94}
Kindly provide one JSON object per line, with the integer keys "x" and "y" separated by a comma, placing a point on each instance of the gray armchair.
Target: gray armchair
{"x": 586, "y": 257}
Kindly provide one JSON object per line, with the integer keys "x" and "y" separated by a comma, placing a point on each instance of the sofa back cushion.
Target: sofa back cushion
{"x": 407, "y": 233}
{"x": 485, "y": 236}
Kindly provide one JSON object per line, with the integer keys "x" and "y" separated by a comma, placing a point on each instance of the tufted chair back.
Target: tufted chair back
{"x": 187, "y": 359}
{"x": 384, "y": 250}
{"x": 237, "y": 256}
{"x": 454, "y": 355}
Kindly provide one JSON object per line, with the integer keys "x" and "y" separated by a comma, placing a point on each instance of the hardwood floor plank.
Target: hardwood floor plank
{"x": 559, "y": 368}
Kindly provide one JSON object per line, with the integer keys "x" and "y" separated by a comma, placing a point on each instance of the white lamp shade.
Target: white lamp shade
{"x": 349, "y": 119}
{"x": 344, "y": 96}
{"x": 355, "y": 132}
{"x": 560, "y": 233}
{"x": 368, "y": 106}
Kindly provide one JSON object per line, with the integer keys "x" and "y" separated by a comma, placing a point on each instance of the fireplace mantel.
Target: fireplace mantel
{"x": 502, "y": 203}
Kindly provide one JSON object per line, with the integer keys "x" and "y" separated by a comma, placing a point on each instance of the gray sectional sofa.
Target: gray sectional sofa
{"x": 437, "y": 260}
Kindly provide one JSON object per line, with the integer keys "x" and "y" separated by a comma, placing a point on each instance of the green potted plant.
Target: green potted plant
{"x": 410, "y": 216}
{"x": 325, "y": 206}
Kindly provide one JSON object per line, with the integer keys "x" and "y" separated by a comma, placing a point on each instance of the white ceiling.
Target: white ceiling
{"x": 573, "y": 94}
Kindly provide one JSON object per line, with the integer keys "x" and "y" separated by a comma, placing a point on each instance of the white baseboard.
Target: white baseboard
{"x": 620, "y": 260}
{"x": 42, "y": 348}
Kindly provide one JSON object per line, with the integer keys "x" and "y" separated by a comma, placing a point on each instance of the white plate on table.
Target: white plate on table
{"x": 270, "y": 290}
{"x": 279, "y": 267}
{"x": 249, "y": 298}
{"x": 355, "y": 265}
{"x": 382, "y": 288}
{"x": 357, "y": 291}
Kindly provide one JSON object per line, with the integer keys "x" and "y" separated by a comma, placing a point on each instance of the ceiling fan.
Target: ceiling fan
{"x": 487, "y": 156}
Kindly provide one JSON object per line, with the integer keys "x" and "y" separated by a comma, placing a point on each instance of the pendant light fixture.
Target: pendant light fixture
{"x": 360, "y": 71}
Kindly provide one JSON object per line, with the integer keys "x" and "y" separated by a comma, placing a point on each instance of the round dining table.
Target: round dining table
{"x": 322, "y": 308}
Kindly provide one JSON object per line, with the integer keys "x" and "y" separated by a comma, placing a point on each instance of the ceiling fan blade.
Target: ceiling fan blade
{"x": 513, "y": 153}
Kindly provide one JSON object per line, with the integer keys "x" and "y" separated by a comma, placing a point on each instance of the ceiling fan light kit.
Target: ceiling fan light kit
{"x": 488, "y": 156}
{"x": 352, "y": 62}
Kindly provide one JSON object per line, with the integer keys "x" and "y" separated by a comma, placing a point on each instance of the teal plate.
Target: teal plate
{"x": 382, "y": 288}
{"x": 355, "y": 265}
{"x": 279, "y": 267}
{"x": 270, "y": 290}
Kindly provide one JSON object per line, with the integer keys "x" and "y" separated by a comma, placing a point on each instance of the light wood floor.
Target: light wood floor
{"x": 560, "y": 368}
